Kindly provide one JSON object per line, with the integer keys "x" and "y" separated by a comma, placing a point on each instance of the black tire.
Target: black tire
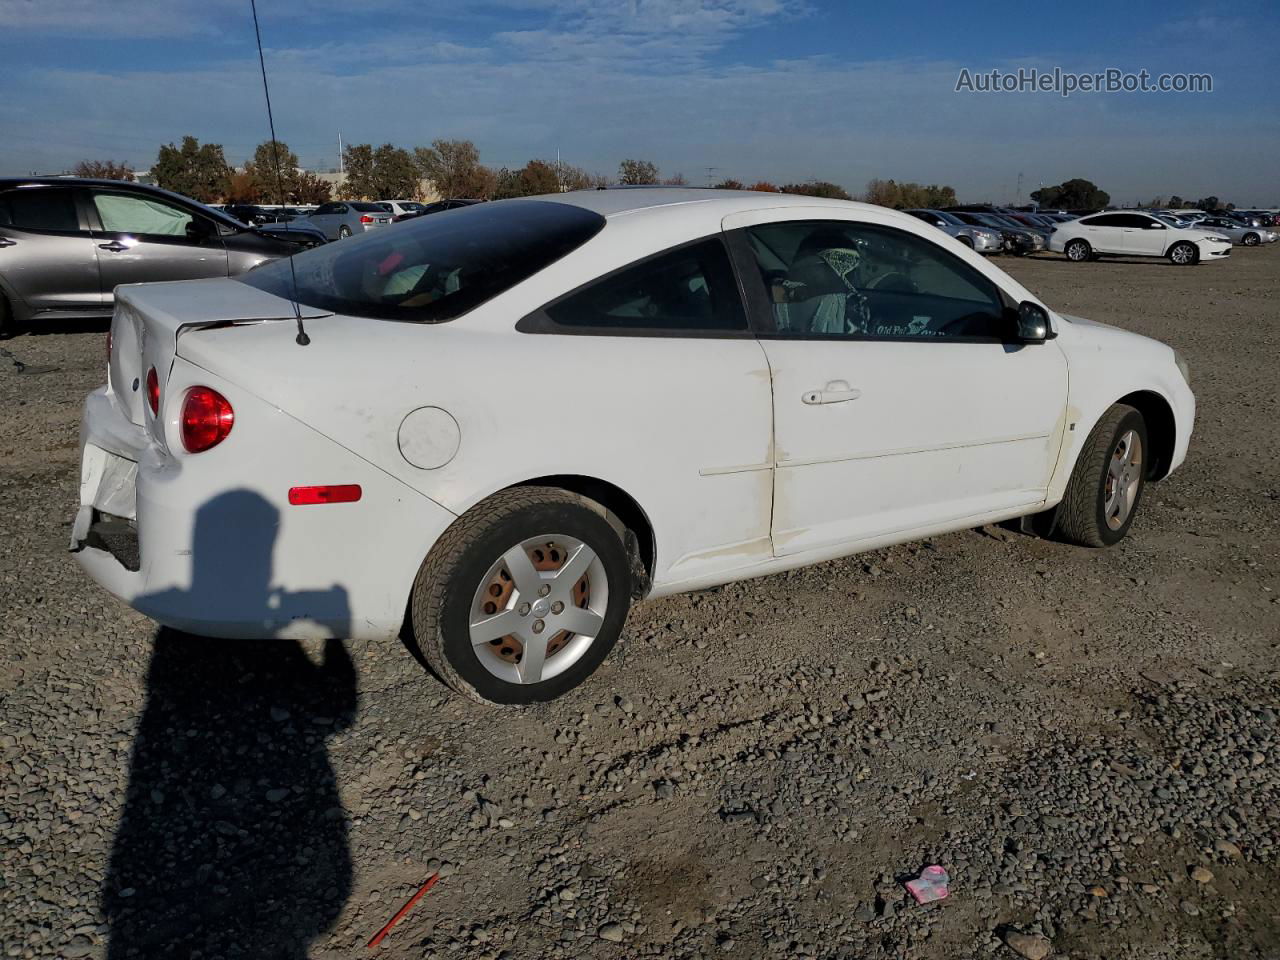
{"x": 1252, "y": 239}
{"x": 6, "y": 319}
{"x": 1082, "y": 514}
{"x": 452, "y": 573}
{"x": 1078, "y": 251}
{"x": 343, "y": 232}
{"x": 1179, "y": 249}
{"x": 967, "y": 241}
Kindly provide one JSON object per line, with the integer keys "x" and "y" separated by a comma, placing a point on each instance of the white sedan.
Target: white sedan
{"x": 496, "y": 428}
{"x": 1133, "y": 234}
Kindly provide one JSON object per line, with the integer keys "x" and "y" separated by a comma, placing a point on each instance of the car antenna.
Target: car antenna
{"x": 301, "y": 339}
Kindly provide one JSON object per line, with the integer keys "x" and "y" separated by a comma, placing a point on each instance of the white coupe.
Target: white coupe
{"x": 493, "y": 429}
{"x": 1133, "y": 234}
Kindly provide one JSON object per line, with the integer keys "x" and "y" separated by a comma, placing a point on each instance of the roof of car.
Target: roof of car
{"x": 609, "y": 203}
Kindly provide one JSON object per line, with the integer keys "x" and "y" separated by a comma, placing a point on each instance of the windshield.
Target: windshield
{"x": 434, "y": 268}
{"x": 950, "y": 218}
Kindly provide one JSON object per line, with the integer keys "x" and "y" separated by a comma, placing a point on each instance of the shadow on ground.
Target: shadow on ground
{"x": 232, "y": 841}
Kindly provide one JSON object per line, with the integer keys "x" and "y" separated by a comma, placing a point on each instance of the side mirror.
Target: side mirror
{"x": 1033, "y": 323}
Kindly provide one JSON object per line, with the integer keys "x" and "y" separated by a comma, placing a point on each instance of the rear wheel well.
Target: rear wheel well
{"x": 619, "y": 503}
{"x": 1162, "y": 430}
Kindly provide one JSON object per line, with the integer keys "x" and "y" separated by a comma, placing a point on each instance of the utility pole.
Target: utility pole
{"x": 711, "y": 172}
{"x": 341, "y": 174}
{"x": 1018, "y": 198}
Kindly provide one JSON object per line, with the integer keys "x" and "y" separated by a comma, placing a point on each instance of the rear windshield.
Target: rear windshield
{"x": 370, "y": 207}
{"x": 433, "y": 268}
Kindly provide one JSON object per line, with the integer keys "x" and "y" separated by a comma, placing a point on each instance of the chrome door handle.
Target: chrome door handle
{"x": 6, "y": 242}
{"x": 837, "y": 391}
{"x": 115, "y": 246}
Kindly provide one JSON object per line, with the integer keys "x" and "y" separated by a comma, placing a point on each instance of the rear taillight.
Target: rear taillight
{"x": 366, "y": 219}
{"x": 207, "y": 418}
{"x": 153, "y": 391}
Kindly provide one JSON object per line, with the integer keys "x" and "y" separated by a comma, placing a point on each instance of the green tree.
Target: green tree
{"x": 909, "y": 195}
{"x": 635, "y": 172}
{"x": 387, "y": 172}
{"x": 195, "y": 170}
{"x": 455, "y": 170}
{"x": 262, "y": 167}
{"x": 103, "y": 170}
{"x": 1207, "y": 203}
{"x": 396, "y": 175}
{"x": 533, "y": 179}
{"x": 1176, "y": 201}
{"x": 1077, "y": 194}
{"x": 818, "y": 188}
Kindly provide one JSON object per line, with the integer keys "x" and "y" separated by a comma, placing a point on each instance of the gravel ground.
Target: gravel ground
{"x": 1086, "y": 740}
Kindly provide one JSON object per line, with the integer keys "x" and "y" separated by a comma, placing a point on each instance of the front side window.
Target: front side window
{"x": 431, "y": 269}
{"x": 46, "y": 209}
{"x": 690, "y": 288}
{"x": 128, "y": 213}
{"x": 835, "y": 278}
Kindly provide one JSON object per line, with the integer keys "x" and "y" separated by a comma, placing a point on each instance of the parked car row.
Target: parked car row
{"x": 67, "y": 243}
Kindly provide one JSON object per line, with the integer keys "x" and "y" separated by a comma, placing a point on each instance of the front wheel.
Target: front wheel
{"x": 523, "y": 597}
{"x": 1251, "y": 239}
{"x": 1183, "y": 254}
{"x": 343, "y": 232}
{"x": 1077, "y": 251}
{"x": 1106, "y": 485}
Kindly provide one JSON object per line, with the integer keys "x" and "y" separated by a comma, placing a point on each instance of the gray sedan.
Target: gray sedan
{"x": 1237, "y": 232}
{"x": 342, "y": 218}
{"x": 975, "y": 238}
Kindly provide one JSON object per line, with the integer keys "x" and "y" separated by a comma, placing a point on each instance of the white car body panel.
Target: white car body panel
{"x": 708, "y": 435}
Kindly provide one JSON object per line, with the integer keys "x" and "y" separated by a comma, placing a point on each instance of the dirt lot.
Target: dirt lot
{"x": 753, "y": 772}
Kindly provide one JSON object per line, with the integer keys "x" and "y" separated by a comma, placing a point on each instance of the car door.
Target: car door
{"x": 663, "y": 346}
{"x": 1143, "y": 236}
{"x": 899, "y": 403}
{"x": 47, "y": 254}
{"x": 145, "y": 238}
{"x": 1104, "y": 232}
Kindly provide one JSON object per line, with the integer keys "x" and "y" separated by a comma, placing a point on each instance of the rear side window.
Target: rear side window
{"x": 39, "y": 208}
{"x": 435, "y": 268}
{"x": 687, "y": 289}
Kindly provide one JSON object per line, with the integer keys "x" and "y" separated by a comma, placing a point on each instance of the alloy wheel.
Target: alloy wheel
{"x": 1124, "y": 476}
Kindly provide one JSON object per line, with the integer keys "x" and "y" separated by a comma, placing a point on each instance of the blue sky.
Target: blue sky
{"x": 782, "y": 90}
